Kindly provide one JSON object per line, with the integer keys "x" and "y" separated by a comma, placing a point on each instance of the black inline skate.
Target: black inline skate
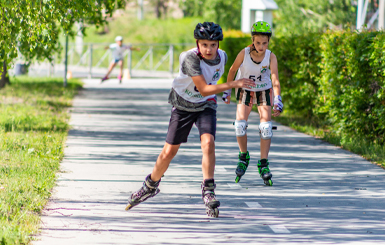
{"x": 149, "y": 189}
{"x": 243, "y": 163}
{"x": 264, "y": 171}
{"x": 208, "y": 196}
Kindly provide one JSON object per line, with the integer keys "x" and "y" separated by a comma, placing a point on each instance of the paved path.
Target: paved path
{"x": 321, "y": 194}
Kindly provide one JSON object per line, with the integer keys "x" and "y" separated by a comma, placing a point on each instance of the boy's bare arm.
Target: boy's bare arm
{"x": 206, "y": 90}
{"x": 231, "y": 75}
{"x": 274, "y": 75}
{"x": 275, "y": 82}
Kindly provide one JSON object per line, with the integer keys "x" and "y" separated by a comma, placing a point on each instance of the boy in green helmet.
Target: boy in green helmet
{"x": 258, "y": 63}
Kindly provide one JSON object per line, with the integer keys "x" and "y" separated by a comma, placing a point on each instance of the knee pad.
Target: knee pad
{"x": 266, "y": 130}
{"x": 240, "y": 127}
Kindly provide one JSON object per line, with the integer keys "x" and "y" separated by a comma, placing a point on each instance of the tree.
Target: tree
{"x": 192, "y": 7}
{"x": 160, "y": 8}
{"x": 298, "y": 16}
{"x": 226, "y": 13}
{"x": 4, "y": 79}
{"x": 33, "y": 27}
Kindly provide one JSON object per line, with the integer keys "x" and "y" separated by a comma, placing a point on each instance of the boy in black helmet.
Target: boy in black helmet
{"x": 194, "y": 101}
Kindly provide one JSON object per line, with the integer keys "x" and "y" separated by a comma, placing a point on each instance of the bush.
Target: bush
{"x": 232, "y": 46}
{"x": 334, "y": 79}
{"x": 351, "y": 95}
{"x": 298, "y": 59}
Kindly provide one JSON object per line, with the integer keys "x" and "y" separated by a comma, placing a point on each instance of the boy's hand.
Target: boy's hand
{"x": 244, "y": 83}
{"x": 278, "y": 106}
{"x": 226, "y": 96}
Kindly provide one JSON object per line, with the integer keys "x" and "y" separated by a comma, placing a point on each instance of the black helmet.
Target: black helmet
{"x": 208, "y": 31}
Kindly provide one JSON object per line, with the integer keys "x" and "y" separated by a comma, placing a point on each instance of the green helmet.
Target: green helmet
{"x": 261, "y": 27}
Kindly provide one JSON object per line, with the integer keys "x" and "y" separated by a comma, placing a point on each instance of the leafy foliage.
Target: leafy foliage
{"x": 352, "y": 95}
{"x": 192, "y": 7}
{"x": 232, "y": 44}
{"x": 33, "y": 27}
{"x": 300, "y": 16}
{"x": 292, "y": 17}
{"x": 334, "y": 79}
{"x": 227, "y": 13}
{"x": 298, "y": 60}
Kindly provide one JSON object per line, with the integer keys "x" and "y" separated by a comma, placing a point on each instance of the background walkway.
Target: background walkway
{"x": 321, "y": 194}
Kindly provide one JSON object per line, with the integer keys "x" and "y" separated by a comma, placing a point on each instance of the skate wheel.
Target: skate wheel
{"x": 212, "y": 212}
{"x": 237, "y": 179}
{"x": 129, "y": 206}
{"x": 269, "y": 182}
{"x": 216, "y": 213}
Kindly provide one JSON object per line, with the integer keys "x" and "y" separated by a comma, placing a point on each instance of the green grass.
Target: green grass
{"x": 369, "y": 150}
{"x": 140, "y": 33}
{"x": 33, "y": 129}
{"x": 149, "y": 30}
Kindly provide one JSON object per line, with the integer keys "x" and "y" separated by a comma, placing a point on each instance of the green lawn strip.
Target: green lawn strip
{"x": 150, "y": 30}
{"x": 33, "y": 129}
{"x": 369, "y": 150}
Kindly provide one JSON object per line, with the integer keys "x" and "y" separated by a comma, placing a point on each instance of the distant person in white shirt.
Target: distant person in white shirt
{"x": 117, "y": 50}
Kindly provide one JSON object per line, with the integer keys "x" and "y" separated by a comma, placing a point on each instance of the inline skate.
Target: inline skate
{"x": 264, "y": 171}
{"x": 243, "y": 163}
{"x": 149, "y": 189}
{"x": 208, "y": 196}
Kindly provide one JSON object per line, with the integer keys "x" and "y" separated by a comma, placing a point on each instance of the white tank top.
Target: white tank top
{"x": 260, "y": 73}
{"x": 117, "y": 51}
{"x": 184, "y": 84}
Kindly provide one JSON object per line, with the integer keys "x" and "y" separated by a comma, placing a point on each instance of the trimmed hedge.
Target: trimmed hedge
{"x": 336, "y": 78}
{"x": 351, "y": 95}
{"x": 232, "y": 46}
{"x": 298, "y": 59}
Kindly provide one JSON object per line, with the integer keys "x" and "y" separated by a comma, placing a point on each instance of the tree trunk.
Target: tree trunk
{"x": 4, "y": 76}
{"x": 157, "y": 9}
{"x": 164, "y": 6}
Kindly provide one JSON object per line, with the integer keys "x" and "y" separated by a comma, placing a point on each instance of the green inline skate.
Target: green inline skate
{"x": 243, "y": 163}
{"x": 264, "y": 171}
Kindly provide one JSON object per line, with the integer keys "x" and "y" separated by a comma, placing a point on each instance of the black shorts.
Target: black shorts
{"x": 181, "y": 123}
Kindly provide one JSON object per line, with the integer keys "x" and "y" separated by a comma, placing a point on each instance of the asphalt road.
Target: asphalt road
{"x": 321, "y": 193}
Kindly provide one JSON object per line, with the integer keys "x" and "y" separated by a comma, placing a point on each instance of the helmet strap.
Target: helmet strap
{"x": 199, "y": 51}
{"x": 252, "y": 48}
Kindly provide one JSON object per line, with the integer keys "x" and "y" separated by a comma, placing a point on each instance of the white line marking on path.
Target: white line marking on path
{"x": 220, "y": 169}
{"x": 253, "y": 205}
{"x": 279, "y": 229}
{"x": 234, "y": 185}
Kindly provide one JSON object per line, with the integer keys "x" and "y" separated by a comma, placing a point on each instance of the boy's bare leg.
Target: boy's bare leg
{"x": 163, "y": 161}
{"x": 208, "y": 158}
{"x": 208, "y": 167}
{"x": 243, "y": 112}
{"x": 112, "y": 65}
{"x": 121, "y": 63}
{"x": 265, "y": 116}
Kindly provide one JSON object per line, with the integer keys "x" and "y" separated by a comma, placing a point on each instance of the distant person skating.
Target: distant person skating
{"x": 117, "y": 50}
{"x": 258, "y": 63}
{"x": 194, "y": 101}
